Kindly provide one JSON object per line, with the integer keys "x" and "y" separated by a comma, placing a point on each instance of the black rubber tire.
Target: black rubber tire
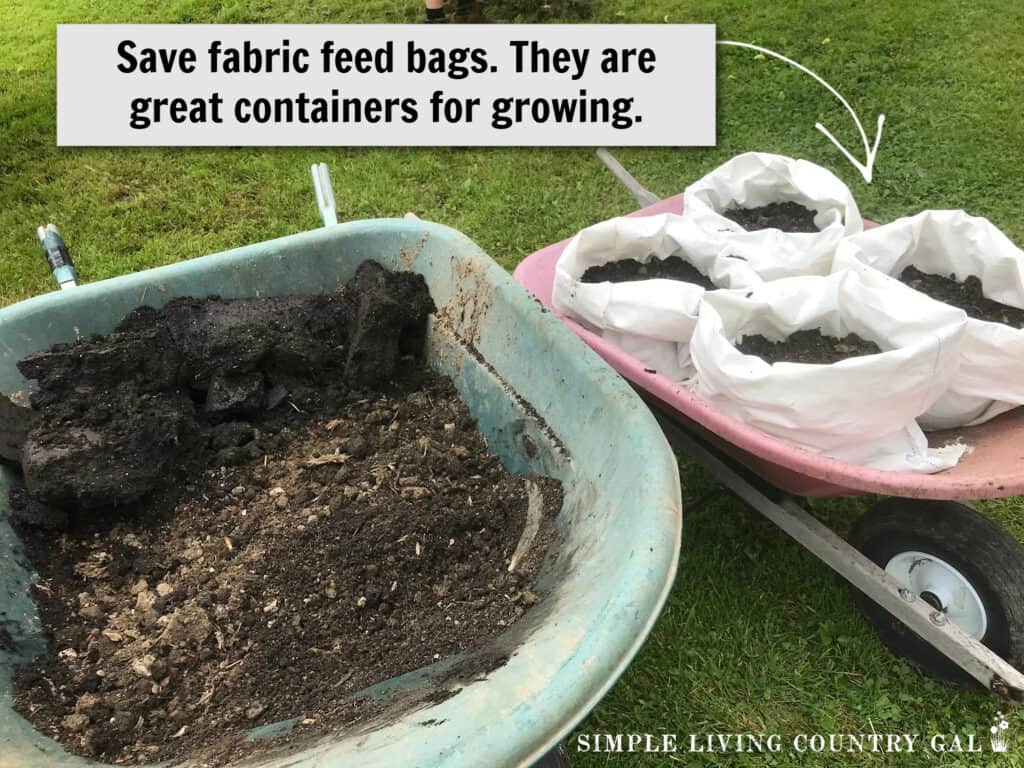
{"x": 986, "y": 555}
{"x": 556, "y": 758}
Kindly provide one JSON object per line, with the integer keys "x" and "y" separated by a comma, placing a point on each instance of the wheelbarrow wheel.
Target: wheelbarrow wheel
{"x": 956, "y": 560}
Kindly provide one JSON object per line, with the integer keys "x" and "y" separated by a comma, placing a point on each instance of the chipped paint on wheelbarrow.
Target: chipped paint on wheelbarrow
{"x": 994, "y": 468}
{"x": 546, "y": 404}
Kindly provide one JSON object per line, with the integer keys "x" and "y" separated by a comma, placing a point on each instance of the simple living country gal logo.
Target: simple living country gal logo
{"x": 816, "y": 743}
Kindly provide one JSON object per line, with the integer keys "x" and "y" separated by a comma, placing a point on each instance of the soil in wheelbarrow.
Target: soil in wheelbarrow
{"x": 808, "y": 346}
{"x": 789, "y": 217}
{"x": 345, "y": 526}
{"x": 672, "y": 268}
{"x": 966, "y": 295}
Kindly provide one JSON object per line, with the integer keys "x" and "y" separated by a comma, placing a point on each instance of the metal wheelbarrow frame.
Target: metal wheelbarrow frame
{"x": 768, "y": 474}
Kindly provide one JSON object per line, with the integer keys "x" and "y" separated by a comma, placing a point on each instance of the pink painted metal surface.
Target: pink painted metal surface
{"x": 993, "y": 469}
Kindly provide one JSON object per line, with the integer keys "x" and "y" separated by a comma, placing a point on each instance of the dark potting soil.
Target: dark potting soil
{"x": 789, "y": 217}
{"x": 343, "y": 526}
{"x": 809, "y": 346}
{"x": 121, "y": 414}
{"x": 966, "y": 295}
{"x": 672, "y": 268}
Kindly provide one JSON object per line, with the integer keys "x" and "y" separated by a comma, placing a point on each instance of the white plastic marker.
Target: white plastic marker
{"x": 864, "y": 168}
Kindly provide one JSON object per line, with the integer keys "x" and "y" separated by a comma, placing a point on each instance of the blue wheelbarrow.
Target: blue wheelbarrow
{"x": 546, "y": 404}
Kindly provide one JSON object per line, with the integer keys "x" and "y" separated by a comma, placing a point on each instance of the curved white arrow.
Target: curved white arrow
{"x": 871, "y": 151}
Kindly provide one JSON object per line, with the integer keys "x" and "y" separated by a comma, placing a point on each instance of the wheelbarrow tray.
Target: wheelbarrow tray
{"x": 546, "y": 405}
{"x": 994, "y": 468}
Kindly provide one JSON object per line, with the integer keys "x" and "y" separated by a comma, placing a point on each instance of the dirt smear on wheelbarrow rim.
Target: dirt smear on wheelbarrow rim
{"x": 302, "y": 547}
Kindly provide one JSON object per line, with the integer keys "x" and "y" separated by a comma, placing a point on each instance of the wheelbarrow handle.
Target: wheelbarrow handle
{"x": 643, "y": 196}
{"x": 57, "y": 256}
{"x": 324, "y": 193}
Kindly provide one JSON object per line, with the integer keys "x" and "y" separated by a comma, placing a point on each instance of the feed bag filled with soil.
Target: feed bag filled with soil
{"x": 245, "y": 511}
{"x": 770, "y": 216}
{"x": 840, "y": 365}
{"x": 637, "y": 282}
{"x": 966, "y": 262}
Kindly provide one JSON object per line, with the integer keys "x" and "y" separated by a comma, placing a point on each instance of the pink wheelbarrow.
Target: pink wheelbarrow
{"x": 942, "y": 585}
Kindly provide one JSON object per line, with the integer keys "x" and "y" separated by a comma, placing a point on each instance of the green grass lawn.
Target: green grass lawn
{"x": 757, "y": 635}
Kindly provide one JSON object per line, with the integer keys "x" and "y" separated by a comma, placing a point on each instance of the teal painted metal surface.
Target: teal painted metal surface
{"x": 546, "y": 403}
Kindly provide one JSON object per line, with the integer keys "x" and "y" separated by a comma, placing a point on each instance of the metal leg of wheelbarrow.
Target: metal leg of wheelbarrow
{"x": 930, "y": 624}
{"x": 556, "y": 758}
{"x": 643, "y": 196}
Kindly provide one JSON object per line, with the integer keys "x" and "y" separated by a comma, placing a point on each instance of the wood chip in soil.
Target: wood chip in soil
{"x": 966, "y": 295}
{"x": 789, "y": 217}
{"x": 808, "y": 346}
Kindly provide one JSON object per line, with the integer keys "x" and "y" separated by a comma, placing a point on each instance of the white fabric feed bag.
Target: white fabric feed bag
{"x": 991, "y": 376}
{"x": 651, "y": 320}
{"x": 861, "y": 410}
{"x": 755, "y": 179}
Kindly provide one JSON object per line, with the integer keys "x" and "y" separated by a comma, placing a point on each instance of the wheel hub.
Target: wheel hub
{"x": 943, "y": 587}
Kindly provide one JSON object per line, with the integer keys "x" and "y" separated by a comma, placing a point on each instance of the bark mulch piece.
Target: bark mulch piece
{"x": 966, "y": 295}
{"x": 672, "y": 268}
{"x": 789, "y": 217}
{"x": 305, "y": 546}
{"x": 809, "y": 346}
